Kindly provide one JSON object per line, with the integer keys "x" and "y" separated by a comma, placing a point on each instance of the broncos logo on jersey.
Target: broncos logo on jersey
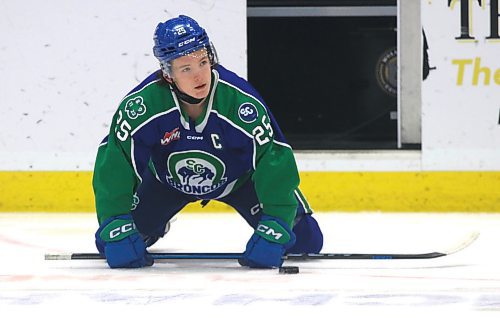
{"x": 195, "y": 172}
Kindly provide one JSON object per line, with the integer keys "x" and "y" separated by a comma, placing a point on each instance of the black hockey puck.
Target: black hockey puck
{"x": 289, "y": 270}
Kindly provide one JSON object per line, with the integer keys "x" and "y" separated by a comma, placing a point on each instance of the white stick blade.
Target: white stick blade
{"x": 462, "y": 245}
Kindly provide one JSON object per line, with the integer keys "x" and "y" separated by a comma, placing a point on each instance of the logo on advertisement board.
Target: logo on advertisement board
{"x": 387, "y": 71}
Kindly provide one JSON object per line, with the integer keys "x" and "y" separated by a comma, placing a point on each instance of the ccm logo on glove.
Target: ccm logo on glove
{"x": 273, "y": 232}
{"x": 117, "y": 230}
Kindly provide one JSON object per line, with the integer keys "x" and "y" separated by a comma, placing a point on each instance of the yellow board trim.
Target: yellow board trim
{"x": 458, "y": 191}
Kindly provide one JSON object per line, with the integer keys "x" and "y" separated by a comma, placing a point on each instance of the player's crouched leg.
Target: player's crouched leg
{"x": 309, "y": 236}
{"x": 153, "y": 237}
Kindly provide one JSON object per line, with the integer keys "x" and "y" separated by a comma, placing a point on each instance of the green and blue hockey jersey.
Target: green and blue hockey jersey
{"x": 235, "y": 138}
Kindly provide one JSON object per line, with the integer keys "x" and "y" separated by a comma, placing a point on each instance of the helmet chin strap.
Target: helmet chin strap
{"x": 185, "y": 97}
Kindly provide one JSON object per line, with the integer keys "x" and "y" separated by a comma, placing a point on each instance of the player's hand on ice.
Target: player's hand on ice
{"x": 266, "y": 247}
{"x": 118, "y": 240}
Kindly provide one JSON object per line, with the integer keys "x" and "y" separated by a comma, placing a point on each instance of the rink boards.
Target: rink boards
{"x": 440, "y": 191}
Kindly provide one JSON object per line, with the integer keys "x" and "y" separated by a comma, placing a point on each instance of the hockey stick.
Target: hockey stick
{"x": 300, "y": 257}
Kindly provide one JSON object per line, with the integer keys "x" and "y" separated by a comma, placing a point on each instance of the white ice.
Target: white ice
{"x": 466, "y": 283}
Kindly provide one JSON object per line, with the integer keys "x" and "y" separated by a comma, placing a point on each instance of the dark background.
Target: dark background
{"x": 318, "y": 76}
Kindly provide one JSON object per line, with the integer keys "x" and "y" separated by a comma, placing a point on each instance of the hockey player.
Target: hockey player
{"x": 196, "y": 131}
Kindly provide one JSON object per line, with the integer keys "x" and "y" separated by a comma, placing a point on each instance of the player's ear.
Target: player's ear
{"x": 168, "y": 78}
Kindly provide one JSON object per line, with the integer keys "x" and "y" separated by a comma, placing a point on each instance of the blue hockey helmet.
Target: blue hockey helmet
{"x": 178, "y": 37}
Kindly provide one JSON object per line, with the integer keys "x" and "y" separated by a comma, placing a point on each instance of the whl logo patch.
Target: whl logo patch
{"x": 135, "y": 107}
{"x": 195, "y": 172}
{"x": 171, "y": 136}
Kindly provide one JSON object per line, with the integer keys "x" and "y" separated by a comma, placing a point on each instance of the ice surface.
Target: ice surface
{"x": 465, "y": 283}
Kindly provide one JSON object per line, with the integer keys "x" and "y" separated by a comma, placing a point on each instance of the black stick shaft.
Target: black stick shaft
{"x": 214, "y": 256}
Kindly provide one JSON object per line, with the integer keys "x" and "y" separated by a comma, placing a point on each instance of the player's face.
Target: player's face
{"x": 192, "y": 73}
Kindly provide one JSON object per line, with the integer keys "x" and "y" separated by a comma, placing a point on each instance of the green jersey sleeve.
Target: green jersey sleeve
{"x": 276, "y": 175}
{"x": 116, "y": 176}
{"x": 276, "y": 179}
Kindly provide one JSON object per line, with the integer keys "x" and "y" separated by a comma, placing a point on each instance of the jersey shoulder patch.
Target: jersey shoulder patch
{"x": 141, "y": 106}
{"x": 145, "y": 103}
{"x": 247, "y": 112}
{"x": 135, "y": 107}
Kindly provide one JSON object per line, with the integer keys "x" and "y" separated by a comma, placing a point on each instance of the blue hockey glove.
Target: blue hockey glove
{"x": 266, "y": 247}
{"x": 118, "y": 240}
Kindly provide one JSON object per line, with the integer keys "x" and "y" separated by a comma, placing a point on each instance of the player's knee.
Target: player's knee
{"x": 309, "y": 236}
